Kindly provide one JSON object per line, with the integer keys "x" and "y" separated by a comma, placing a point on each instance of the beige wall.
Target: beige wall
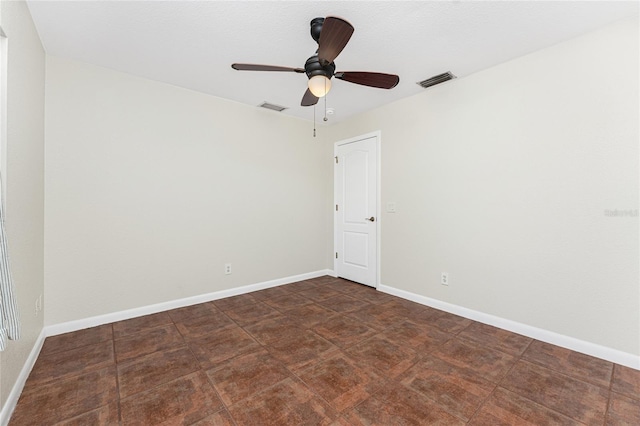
{"x": 152, "y": 188}
{"x": 24, "y": 198}
{"x": 502, "y": 180}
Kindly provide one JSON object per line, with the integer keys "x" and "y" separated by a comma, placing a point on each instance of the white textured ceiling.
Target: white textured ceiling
{"x": 193, "y": 43}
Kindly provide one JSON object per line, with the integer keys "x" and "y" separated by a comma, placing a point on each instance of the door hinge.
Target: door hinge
{"x": 336, "y": 255}
{"x": 336, "y": 157}
{"x": 336, "y": 207}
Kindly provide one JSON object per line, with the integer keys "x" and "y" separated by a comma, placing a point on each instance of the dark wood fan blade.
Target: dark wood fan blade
{"x": 257, "y": 67}
{"x": 309, "y": 99}
{"x": 334, "y": 36}
{"x": 371, "y": 79}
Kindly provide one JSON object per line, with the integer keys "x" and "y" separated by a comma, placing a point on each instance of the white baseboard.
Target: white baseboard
{"x": 66, "y": 327}
{"x": 16, "y": 390}
{"x": 598, "y": 351}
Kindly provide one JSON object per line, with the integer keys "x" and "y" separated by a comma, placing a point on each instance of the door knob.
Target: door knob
{"x": 370, "y": 219}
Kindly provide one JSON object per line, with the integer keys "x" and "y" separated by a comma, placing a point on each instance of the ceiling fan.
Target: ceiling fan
{"x": 332, "y": 35}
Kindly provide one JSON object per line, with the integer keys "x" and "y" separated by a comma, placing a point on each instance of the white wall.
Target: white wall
{"x": 502, "y": 179}
{"x": 151, "y": 189}
{"x": 24, "y": 198}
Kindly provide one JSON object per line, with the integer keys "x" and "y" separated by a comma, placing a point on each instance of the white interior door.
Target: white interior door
{"x": 356, "y": 216}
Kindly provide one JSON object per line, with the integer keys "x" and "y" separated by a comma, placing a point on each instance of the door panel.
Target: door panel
{"x": 355, "y": 186}
{"x": 356, "y": 192}
{"x": 356, "y": 249}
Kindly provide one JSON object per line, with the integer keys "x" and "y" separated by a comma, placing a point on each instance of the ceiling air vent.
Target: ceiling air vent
{"x": 272, "y": 107}
{"x": 436, "y": 79}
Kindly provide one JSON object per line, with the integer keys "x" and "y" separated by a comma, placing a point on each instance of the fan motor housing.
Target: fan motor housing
{"x": 313, "y": 67}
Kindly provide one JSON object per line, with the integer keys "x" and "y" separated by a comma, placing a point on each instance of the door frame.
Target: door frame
{"x": 378, "y": 135}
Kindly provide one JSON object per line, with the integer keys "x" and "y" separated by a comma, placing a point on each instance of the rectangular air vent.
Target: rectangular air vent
{"x": 436, "y": 79}
{"x": 272, "y": 107}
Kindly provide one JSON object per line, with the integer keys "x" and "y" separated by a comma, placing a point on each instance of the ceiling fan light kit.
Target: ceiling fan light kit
{"x": 332, "y": 34}
{"x": 319, "y": 85}
{"x": 319, "y": 75}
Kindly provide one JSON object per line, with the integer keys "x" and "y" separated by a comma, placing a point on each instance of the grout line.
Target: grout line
{"x": 606, "y": 409}
{"x": 115, "y": 366}
{"x": 499, "y": 383}
{"x": 200, "y": 369}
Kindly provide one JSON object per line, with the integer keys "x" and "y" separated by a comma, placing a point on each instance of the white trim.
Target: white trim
{"x": 66, "y": 327}
{"x": 4, "y": 49}
{"x": 593, "y": 349}
{"x": 378, "y": 135}
{"x": 16, "y": 390}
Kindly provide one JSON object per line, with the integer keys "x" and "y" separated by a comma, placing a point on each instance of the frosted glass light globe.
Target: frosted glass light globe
{"x": 319, "y": 85}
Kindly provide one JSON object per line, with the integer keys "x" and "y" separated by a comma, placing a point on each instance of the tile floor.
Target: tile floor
{"x": 319, "y": 352}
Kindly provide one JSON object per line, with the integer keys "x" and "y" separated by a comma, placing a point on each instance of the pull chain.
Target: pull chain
{"x": 325, "y": 106}
{"x": 325, "y": 109}
{"x": 325, "y": 101}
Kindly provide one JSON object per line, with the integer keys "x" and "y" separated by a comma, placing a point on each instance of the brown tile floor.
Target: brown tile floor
{"x": 323, "y": 351}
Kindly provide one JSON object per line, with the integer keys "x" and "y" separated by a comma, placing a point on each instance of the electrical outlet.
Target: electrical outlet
{"x": 444, "y": 278}
{"x": 227, "y": 268}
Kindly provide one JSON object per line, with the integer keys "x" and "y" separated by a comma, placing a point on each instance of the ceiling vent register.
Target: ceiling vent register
{"x": 272, "y": 107}
{"x": 436, "y": 79}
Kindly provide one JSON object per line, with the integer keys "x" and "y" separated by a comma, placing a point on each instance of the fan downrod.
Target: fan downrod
{"x": 316, "y": 28}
